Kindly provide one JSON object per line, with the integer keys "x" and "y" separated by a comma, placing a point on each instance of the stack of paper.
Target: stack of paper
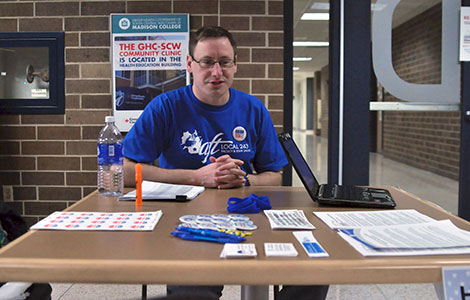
{"x": 398, "y": 232}
{"x": 280, "y": 249}
{"x": 163, "y": 191}
{"x": 288, "y": 219}
{"x": 358, "y": 219}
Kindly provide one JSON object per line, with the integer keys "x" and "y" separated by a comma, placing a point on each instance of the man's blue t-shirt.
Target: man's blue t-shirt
{"x": 183, "y": 132}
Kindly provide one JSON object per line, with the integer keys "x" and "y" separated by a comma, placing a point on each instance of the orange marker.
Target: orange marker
{"x": 138, "y": 185}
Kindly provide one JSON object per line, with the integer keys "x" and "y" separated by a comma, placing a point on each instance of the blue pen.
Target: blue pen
{"x": 247, "y": 182}
{"x": 190, "y": 237}
{"x": 208, "y": 233}
{"x": 243, "y": 169}
{"x": 204, "y": 232}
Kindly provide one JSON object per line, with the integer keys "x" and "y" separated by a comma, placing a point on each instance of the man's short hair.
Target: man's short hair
{"x": 211, "y": 32}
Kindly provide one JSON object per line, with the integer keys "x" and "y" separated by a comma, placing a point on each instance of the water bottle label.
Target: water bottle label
{"x": 110, "y": 150}
{"x": 110, "y": 154}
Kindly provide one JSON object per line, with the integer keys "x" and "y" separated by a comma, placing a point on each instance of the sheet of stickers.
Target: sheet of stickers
{"x": 118, "y": 221}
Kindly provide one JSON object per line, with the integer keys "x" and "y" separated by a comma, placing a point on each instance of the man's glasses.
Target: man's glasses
{"x": 208, "y": 63}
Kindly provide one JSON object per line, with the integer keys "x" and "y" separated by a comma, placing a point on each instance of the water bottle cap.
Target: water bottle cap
{"x": 109, "y": 119}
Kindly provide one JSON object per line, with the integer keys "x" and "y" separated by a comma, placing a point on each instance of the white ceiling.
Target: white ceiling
{"x": 318, "y": 30}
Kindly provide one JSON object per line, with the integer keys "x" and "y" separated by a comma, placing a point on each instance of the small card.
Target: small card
{"x": 238, "y": 251}
{"x": 456, "y": 283}
{"x": 310, "y": 244}
{"x": 280, "y": 249}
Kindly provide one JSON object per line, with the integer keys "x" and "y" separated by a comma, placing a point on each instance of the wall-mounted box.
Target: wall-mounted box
{"x": 32, "y": 73}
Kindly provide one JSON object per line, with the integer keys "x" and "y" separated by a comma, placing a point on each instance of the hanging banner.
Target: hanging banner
{"x": 464, "y": 34}
{"x": 148, "y": 58}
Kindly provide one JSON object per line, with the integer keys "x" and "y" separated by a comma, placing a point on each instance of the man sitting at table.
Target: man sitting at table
{"x": 208, "y": 134}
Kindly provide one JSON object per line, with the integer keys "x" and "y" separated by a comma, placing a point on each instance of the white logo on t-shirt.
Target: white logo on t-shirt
{"x": 193, "y": 143}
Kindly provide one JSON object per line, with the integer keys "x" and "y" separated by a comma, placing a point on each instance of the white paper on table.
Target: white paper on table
{"x": 288, "y": 219}
{"x": 437, "y": 234}
{"x": 117, "y": 221}
{"x": 164, "y": 191}
{"x": 356, "y": 219}
{"x": 366, "y": 251}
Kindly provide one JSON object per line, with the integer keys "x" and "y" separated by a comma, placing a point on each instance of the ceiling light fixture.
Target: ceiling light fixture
{"x": 310, "y": 44}
{"x": 315, "y": 17}
{"x": 326, "y": 6}
{"x": 295, "y": 68}
{"x": 302, "y": 59}
{"x": 321, "y": 6}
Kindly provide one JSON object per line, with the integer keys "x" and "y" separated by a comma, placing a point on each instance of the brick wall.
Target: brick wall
{"x": 427, "y": 140}
{"x": 50, "y": 160}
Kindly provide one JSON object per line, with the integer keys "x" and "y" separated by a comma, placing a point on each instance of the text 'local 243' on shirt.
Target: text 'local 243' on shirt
{"x": 183, "y": 132}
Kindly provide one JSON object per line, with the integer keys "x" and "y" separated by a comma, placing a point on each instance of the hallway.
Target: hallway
{"x": 383, "y": 171}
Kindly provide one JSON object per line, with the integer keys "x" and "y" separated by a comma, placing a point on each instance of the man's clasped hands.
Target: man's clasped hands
{"x": 223, "y": 172}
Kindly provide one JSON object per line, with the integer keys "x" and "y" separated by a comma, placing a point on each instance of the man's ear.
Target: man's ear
{"x": 189, "y": 59}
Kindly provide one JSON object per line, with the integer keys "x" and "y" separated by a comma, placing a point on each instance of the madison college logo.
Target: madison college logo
{"x": 124, "y": 23}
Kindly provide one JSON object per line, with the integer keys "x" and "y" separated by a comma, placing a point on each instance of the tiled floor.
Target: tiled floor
{"x": 440, "y": 190}
{"x": 232, "y": 292}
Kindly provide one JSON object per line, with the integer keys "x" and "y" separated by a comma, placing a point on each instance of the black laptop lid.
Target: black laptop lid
{"x": 299, "y": 163}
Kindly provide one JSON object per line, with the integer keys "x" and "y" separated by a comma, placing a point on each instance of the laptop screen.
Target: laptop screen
{"x": 299, "y": 163}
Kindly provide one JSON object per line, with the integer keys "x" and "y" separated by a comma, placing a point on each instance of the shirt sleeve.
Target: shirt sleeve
{"x": 146, "y": 139}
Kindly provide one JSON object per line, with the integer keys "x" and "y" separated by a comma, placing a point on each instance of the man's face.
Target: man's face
{"x": 211, "y": 85}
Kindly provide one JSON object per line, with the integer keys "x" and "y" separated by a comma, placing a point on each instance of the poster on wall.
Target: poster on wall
{"x": 465, "y": 34}
{"x": 148, "y": 58}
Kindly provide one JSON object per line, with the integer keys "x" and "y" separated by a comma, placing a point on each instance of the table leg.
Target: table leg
{"x": 255, "y": 292}
{"x": 144, "y": 292}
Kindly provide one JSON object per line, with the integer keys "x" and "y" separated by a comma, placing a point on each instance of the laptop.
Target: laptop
{"x": 333, "y": 194}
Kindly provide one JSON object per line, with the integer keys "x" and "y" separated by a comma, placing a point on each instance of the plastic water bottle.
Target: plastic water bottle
{"x": 110, "y": 173}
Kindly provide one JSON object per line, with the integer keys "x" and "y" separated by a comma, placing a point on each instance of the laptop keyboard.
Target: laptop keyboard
{"x": 349, "y": 193}
{"x": 353, "y": 193}
{"x": 354, "y": 196}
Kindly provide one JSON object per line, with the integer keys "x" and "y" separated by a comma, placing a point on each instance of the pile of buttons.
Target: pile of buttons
{"x": 229, "y": 222}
